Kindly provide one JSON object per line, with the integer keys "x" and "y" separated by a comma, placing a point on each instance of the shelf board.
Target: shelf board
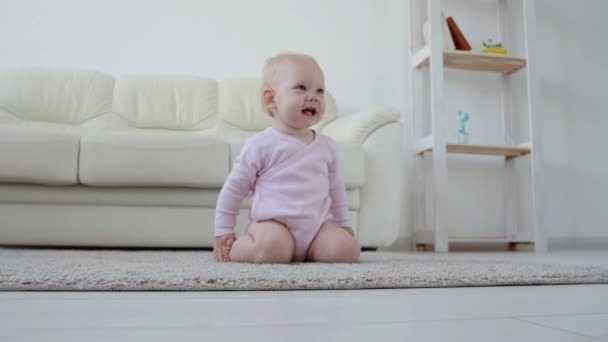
{"x": 509, "y": 152}
{"x": 428, "y": 238}
{"x": 465, "y": 60}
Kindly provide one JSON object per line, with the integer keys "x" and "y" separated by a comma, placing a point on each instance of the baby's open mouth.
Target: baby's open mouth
{"x": 309, "y": 111}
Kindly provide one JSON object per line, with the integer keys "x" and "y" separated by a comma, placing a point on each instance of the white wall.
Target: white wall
{"x": 363, "y": 47}
{"x": 572, "y": 78}
{"x": 215, "y": 38}
{"x": 585, "y": 75}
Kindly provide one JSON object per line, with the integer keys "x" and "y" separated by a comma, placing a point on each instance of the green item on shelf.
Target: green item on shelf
{"x": 490, "y": 45}
{"x": 494, "y": 48}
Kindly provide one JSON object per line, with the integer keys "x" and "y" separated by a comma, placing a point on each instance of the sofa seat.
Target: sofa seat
{"x": 125, "y": 196}
{"x": 177, "y": 159}
{"x": 38, "y": 156}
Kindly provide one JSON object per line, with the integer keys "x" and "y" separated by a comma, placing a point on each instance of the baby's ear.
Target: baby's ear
{"x": 268, "y": 98}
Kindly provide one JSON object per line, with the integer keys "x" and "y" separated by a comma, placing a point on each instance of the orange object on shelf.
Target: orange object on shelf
{"x": 459, "y": 40}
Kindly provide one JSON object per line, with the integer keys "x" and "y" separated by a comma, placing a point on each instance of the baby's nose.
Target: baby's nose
{"x": 313, "y": 97}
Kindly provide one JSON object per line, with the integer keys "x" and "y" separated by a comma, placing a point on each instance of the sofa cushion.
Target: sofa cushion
{"x": 38, "y": 156}
{"x": 29, "y": 125}
{"x": 62, "y": 95}
{"x": 169, "y": 102}
{"x": 125, "y": 196}
{"x": 240, "y": 105}
{"x": 351, "y": 162}
{"x": 170, "y": 159}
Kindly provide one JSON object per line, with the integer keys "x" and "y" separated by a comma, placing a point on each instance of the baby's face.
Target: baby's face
{"x": 299, "y": 93}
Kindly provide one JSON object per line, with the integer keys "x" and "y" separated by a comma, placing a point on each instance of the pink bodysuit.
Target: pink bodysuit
{"x": 291, "y": 182}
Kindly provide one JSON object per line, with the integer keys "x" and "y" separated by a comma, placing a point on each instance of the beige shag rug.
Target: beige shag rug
{"x": 164, "y": 270}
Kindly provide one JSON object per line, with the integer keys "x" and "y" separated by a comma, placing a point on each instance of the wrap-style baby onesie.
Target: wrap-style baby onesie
{"x": 291, "y": 182}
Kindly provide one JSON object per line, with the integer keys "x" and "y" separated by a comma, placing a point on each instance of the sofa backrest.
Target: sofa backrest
{"x": 190, "y": 103}
{"x": 240, "y": 105}
{"x": 166, "y": 102}
{"x": 60, "y": 95}
{"x": 194, "y": 103}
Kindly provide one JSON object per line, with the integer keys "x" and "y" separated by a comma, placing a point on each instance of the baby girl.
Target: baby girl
{"x": 299, "y": 210}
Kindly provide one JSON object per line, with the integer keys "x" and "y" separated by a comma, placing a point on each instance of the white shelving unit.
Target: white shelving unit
{"x": 431, "y": 58}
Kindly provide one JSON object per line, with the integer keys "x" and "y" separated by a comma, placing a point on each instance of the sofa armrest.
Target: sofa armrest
{"x": 6, "y": 117}
{"x": 357, "y": 127}
{"x": 380, "y": 134}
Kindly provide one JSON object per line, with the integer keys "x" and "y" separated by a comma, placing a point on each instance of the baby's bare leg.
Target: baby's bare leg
{"x": 333, "y": 244}
{"x": 267, "y": 242}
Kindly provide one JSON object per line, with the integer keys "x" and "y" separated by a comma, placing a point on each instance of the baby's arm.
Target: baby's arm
{"x": 236, "y": 187}
{"x": 337, "y": 193}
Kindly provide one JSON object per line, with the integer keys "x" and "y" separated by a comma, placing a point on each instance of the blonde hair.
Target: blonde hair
{"x": 270, "y": 68}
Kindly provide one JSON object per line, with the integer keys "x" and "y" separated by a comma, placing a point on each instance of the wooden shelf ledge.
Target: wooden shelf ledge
{"x": 509, "y": 152}
{"x": 465, "y": 60}
{"x": 428, "y": 238}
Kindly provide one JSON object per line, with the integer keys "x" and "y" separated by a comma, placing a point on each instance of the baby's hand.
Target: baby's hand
{"x": 222, "y": 246}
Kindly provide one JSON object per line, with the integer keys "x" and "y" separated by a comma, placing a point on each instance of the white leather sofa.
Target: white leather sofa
{"x": 89, "y": 159}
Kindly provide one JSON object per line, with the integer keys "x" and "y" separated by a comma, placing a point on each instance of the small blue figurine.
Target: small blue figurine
{"x": 463, "y": 136}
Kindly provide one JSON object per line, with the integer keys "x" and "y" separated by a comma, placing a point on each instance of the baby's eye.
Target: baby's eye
{"x": 301, "y": 87}
{"x": 320, "y": 91}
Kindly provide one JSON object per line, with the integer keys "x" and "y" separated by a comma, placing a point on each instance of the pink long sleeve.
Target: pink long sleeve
{"x": 304, "y": 182}
{"x": 337, "y": 193}
{"x": 237, "y": 186}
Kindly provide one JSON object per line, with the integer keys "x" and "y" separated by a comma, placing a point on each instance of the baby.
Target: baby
{"x": 299, "y": 210}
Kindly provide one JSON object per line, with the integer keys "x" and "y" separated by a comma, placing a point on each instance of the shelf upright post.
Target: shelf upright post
{"x": 506, "y": 113}
{"x": 535, "y": 121}
{"x": 439, "y": 202}
{"x": 416, "y": 122}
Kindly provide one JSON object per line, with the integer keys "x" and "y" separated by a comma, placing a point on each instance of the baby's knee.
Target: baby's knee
{"x": 343, "y": 251}
{"x": 268, "y": 253}
{"x": 274, "y": 246}
{"x": 351, "y": 250}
